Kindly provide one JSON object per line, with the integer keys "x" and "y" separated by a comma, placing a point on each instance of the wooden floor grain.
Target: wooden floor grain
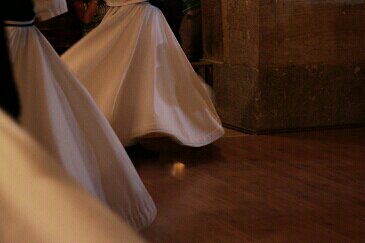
{"x": 299, "y": 187}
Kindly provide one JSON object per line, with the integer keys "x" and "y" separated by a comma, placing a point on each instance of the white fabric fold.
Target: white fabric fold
{"x": 139, "y": 76}
{"x": 114, "y": 3}
{"x": 46, "y": 9}
{"x": 40, "y": 203}
{"x": 61, "y": 115}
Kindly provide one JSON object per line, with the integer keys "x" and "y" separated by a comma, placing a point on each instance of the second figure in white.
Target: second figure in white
{"x": 136, "y": 71}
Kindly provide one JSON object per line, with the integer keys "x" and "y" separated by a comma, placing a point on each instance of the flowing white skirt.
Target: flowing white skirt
{"x": 40, "y": 203}
{"x": 57, "y": 110}
{"x": 136, "y": 71}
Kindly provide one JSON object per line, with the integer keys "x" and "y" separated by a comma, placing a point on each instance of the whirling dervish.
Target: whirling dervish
{"x": 58, "y": 111}
{"x": 136, "y": 71}
{"x": 41, "y": 203}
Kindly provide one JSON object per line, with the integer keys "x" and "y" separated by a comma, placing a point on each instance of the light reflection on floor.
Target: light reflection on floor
{"x": 178, "y": 170}
{"x": 248, "y": 188}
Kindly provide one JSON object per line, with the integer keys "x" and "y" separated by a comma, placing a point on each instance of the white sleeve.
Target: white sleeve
{"x": 117, "y": 3}
{"x": 46, "y": 9}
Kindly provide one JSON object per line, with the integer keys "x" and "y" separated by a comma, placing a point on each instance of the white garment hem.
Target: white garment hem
{"x": 203, "y": 141}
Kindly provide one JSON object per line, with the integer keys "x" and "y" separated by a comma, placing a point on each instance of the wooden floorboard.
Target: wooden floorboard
{"x": 297, "y": 187}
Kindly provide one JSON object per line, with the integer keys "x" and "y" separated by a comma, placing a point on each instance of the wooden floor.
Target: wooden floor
{"x": 299, "y": 187}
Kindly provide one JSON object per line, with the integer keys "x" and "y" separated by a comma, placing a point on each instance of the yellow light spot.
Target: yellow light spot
{"x": 178, "y": 169}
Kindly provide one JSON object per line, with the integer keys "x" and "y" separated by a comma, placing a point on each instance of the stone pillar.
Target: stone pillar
{"x": 286, "y": 65}
{"x": 312, "y": 60}
{"x": 231, "y": 42}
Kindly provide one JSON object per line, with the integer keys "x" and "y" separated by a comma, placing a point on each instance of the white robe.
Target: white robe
{"x": 114, "y": 3}
{"x": 139, "y": 76}
{"x": 40, "y": 203}
{"x": 61, "y": 115}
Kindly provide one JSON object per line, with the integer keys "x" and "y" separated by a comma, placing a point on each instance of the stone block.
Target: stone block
{"x": 236, "y": 91}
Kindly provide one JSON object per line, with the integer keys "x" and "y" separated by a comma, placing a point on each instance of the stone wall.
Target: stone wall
{"x": 287, "y": 64}
{"x": 231, "y": 42}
